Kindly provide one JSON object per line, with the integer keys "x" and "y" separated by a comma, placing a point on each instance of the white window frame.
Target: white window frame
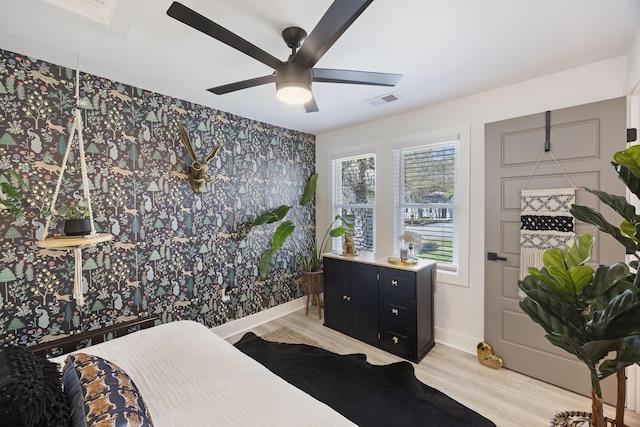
{"x": 336, "y": 202}
{"x": 445, "y": 273}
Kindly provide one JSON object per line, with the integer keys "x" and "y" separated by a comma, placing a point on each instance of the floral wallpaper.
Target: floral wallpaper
{"x": 175, "y": 253}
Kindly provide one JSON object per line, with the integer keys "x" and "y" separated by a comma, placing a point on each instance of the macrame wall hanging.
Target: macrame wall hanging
{"x": 545, "y": 223}
{"x": 75, "y": 243}
{"x": 545, "y": 220}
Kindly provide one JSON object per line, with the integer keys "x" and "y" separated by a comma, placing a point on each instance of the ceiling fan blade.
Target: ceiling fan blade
{"x": 327, "y": 75}
{"x": 311, "y": 106}
{"x": 331, "y": 26}
{"x": 193, "y": 19}
{"x": 244, "y": 84}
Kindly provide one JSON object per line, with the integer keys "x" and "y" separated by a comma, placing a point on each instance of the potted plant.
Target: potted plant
{"x": 588, "y": 312}
{"x": 10, "y": 199}
{"x": 76, "y": 218}
{"x": 312, "y": 261}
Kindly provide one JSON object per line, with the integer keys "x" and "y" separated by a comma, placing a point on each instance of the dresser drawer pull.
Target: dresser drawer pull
{"x": 395, "y": 340}
{"x": 394, "y": 283}
{"x": 394, "y": 311}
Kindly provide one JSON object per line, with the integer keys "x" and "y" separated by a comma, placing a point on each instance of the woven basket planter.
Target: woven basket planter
{"x": 576, "y": 419}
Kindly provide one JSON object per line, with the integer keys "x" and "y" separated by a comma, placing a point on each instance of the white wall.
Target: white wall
{"x": 459, "y": 311}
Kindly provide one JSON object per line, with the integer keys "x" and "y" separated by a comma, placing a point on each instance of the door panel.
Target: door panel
{"x": 583, "y": 140}
{"x": 364, "y": 302}
{"x": 336, "y": 287}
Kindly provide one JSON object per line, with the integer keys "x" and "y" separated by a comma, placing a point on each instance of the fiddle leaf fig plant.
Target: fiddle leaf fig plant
{"x": 588, "y": 312}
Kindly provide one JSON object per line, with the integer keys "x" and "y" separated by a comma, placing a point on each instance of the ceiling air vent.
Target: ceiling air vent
{"x": 384, "y": 99}
{"x": 98, "y": 10}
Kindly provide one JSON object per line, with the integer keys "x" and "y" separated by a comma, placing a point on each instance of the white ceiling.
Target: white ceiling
{"x": 445, "y": 49}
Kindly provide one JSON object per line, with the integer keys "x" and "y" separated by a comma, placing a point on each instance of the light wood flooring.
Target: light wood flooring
{"x": 508, "y": 398}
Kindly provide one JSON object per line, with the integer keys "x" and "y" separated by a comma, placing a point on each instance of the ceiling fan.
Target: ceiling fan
{"x": 293, "y": 78}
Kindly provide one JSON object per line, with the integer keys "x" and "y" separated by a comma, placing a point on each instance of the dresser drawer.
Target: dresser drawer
{"x": 398, "y": 340}
{"x": 400, "y": 310}
{"x": 400, "y": 283}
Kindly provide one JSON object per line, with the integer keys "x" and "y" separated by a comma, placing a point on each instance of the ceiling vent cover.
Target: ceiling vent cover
{"x": 98, "y": 10}
{"x": 384, "y": 99}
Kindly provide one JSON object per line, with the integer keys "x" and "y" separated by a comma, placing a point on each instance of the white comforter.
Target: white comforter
{"x": 189, "y": 376}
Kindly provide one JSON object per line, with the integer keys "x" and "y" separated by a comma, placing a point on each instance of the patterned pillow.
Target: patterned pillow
{"x": 102, "y": 394}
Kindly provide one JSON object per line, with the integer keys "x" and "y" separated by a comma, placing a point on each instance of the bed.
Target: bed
{"x": 186, "y": 375}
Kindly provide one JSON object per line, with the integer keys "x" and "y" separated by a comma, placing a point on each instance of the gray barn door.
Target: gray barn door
{"x": 583, "y": 140}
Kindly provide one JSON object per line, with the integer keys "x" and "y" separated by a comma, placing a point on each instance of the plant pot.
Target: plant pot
{"x": 77, "y": 227}
{"x": 312, "y": 285}
{"x": 312, "y": 282}
{"x": 576, "y": 419}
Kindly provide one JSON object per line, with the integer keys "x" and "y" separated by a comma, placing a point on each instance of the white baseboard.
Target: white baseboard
{"x": 249, "y": 322}
{"x": 455, "y": 340}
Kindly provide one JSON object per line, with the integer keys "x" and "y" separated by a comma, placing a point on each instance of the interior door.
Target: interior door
{"x": 583, "y": 140}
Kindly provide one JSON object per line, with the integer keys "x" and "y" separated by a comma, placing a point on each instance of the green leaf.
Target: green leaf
{"x": 629, "y": 158}
{"x": 283, "y": 231}
{"x": 605, "y": 277}
{"x": 580, "y": 252}
{"x": 628, "y": 355}
{"x": 309, "y": 190}
{"x": 596, "y": 350}
{"x": 620, "y": 321}
{"x": 631, "y": 180}
{"x": 618, "y": 204}
{"x": 549, "y": 309}
{"x": 617, "y": 306}
{"x": 629, "y": 230}
{"x": 272, "y": 216}
{"x": 338, "y": 231}
{"x": 590, "y": 216}
{"x": 267, "y": 263}
{"x": 282, "y": 211}
{"x": 8, "y": 189}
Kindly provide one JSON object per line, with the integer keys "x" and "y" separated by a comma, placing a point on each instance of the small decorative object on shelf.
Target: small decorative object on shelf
{"x": 77, "y": 227}
{"x": 348, "y": 248}
{"x": 411, "y": 238}
{"x": 400, "y": 261}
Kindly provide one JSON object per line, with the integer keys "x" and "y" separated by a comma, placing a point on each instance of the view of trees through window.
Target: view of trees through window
{"x": 428, "y": 204}
{"x": 354, "y": 198}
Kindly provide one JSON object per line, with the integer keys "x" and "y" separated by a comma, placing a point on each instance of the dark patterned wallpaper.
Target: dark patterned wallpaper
{"x": 174, "y": 252}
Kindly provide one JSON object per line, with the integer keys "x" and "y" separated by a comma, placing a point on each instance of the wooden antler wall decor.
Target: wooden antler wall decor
{"x": 197, "y": 174}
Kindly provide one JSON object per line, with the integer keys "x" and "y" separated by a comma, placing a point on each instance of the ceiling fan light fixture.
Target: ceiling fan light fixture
{"x": 294, "y": 94}
{"x": 293, "y": 83}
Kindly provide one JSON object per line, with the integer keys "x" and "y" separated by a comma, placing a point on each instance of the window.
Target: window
{"x": 427, "y": 200}
{"x": 354, "y": 183}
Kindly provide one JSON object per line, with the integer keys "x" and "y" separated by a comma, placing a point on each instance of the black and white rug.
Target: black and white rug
{"x": 368, "y": 395}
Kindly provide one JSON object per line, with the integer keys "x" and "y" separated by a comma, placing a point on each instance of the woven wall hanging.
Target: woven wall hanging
{"x": 545, "y": 223}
